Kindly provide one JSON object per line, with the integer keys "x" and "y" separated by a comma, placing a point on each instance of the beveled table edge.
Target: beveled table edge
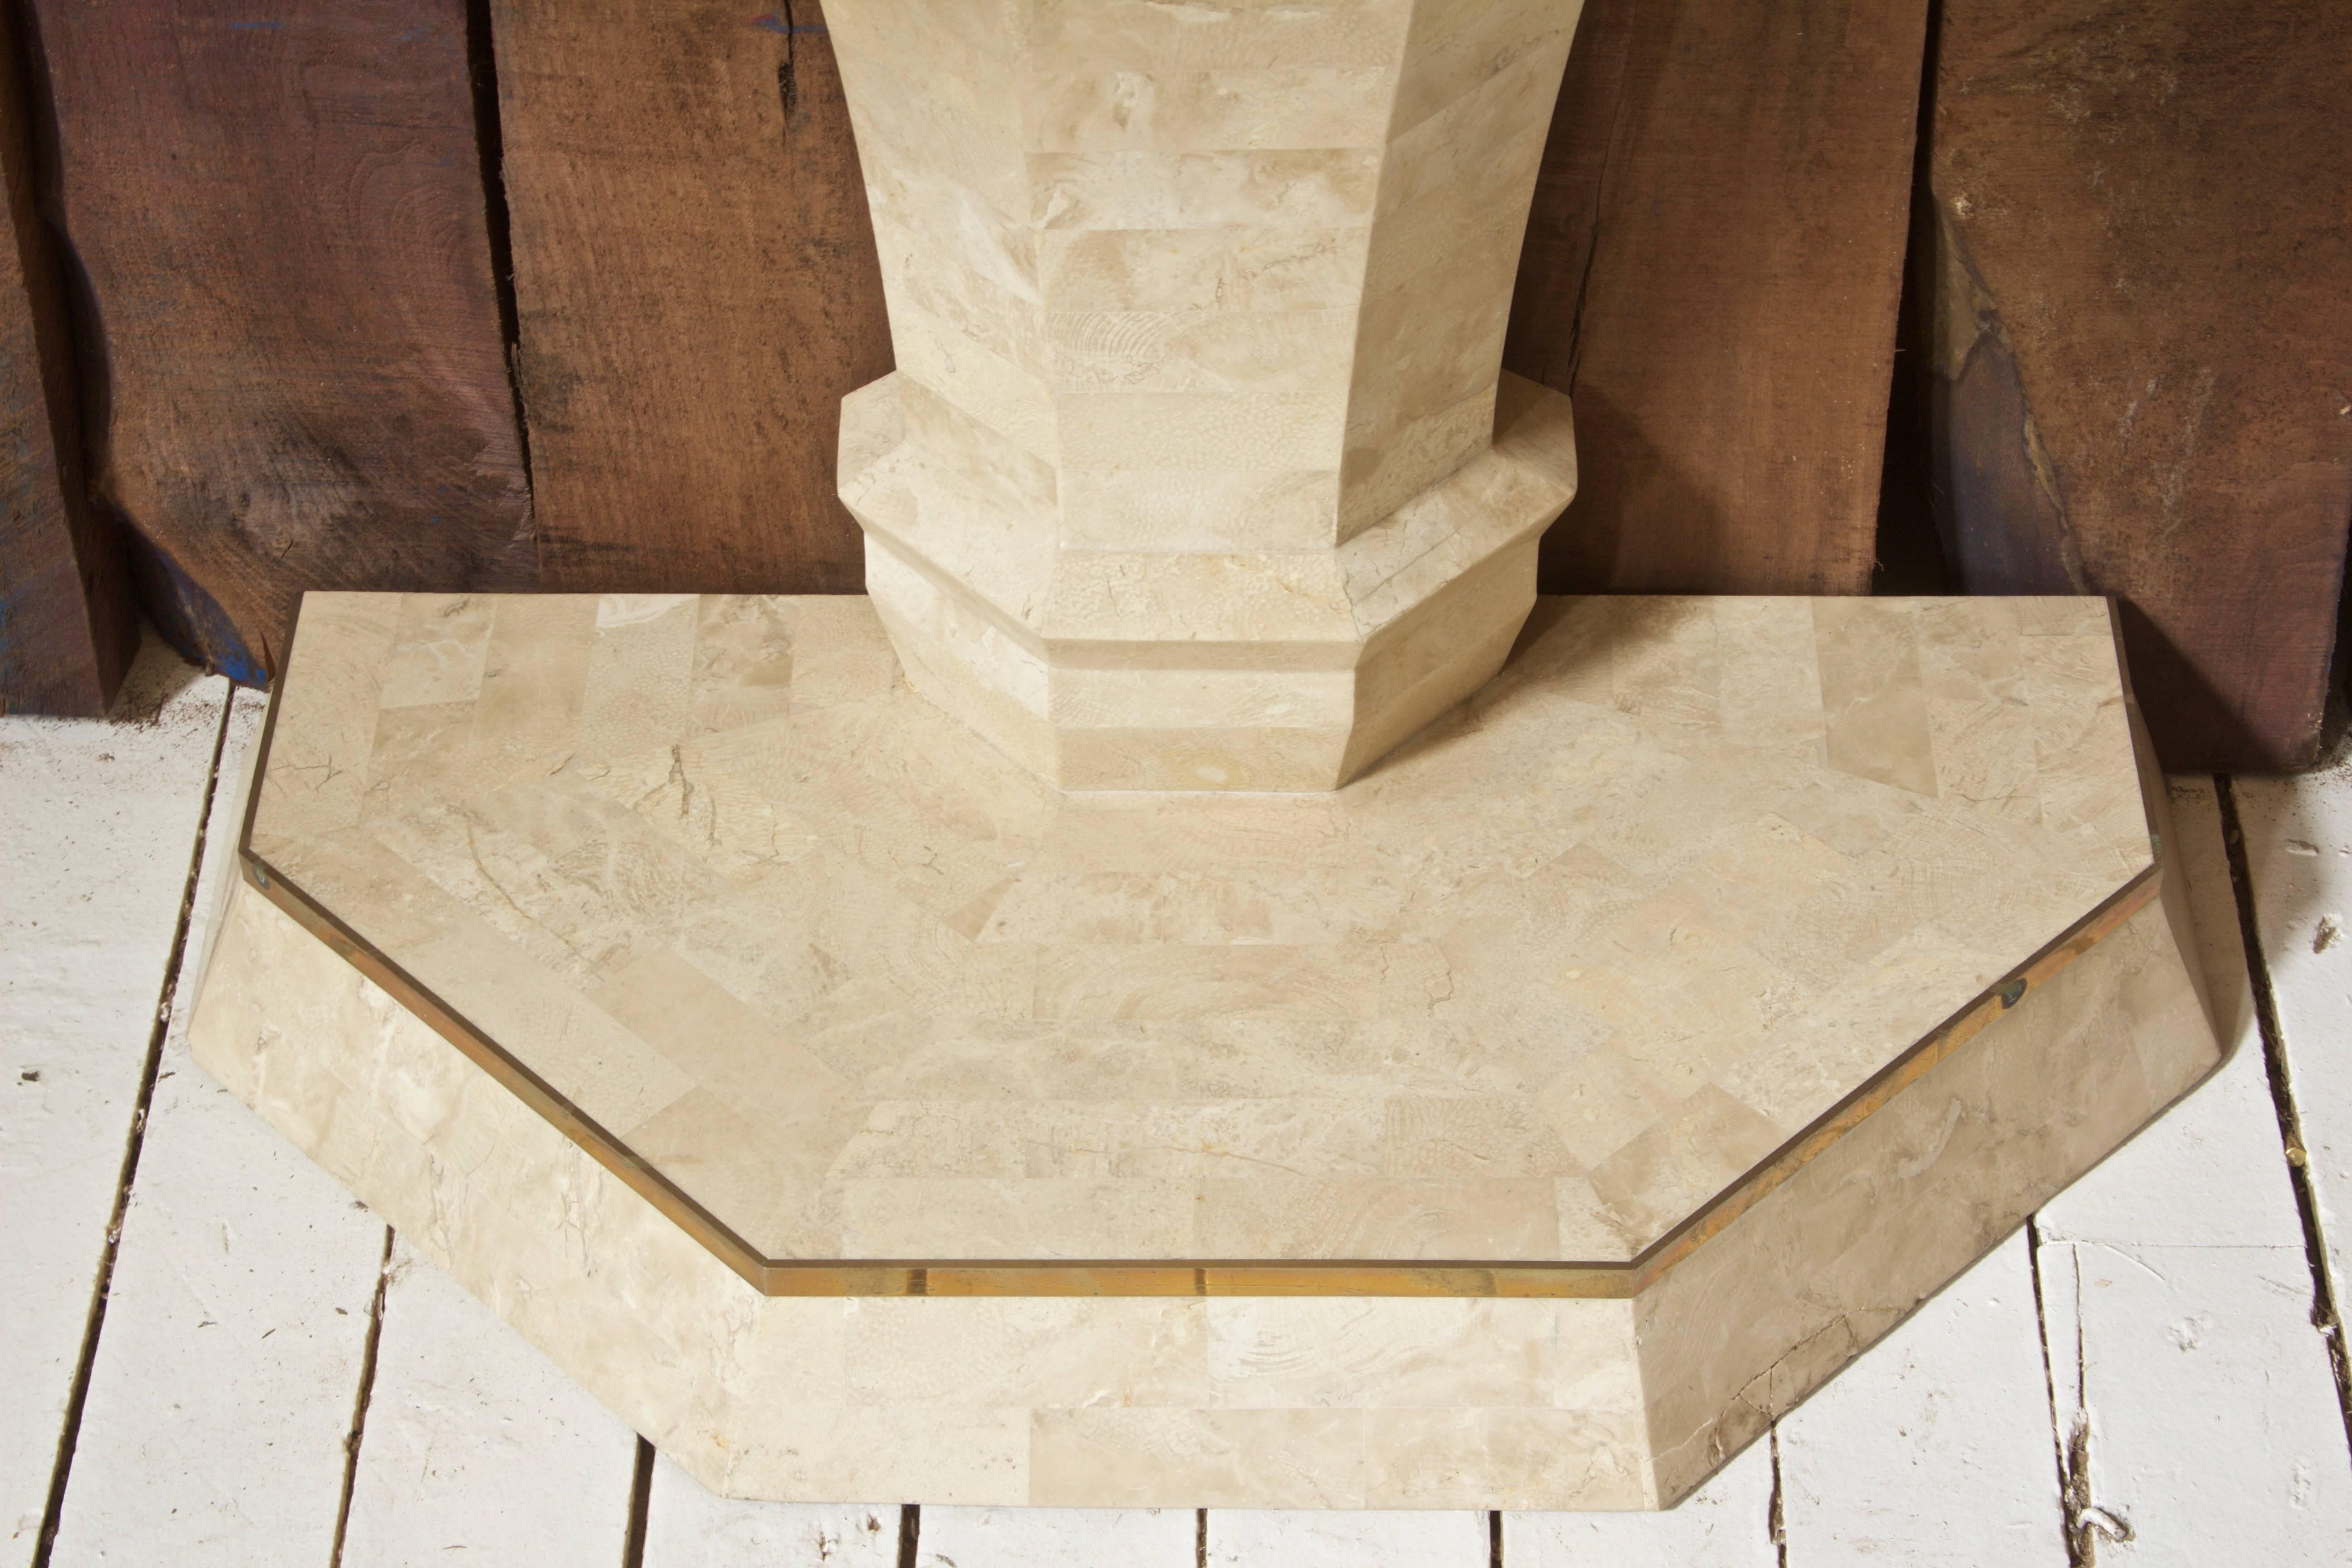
{"x": 1602, "y": 1280}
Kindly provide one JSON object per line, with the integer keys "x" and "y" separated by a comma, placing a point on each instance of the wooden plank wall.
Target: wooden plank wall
{"x": 698, "y": 287}
{"x": 2142, "y": 357}
{"x": 67, "y": 627}
{"x": 1712, "y": 271}
{"x": 301, "y": 379}
{"x": 292, "y": 222}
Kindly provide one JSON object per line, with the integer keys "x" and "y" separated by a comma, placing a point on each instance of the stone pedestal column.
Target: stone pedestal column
{"x": 1604, "y": 1072}
{"x": 1197, "y": 471}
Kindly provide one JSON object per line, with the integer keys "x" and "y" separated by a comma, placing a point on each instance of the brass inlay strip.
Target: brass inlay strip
{"x": 1243, "y": 1277}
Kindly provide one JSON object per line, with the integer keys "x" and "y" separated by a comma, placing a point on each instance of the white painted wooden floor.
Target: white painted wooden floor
{"x": 212, "y": 1356}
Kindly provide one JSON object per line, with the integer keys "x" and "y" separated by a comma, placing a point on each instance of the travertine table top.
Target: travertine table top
{"x": 1541, "y": 987}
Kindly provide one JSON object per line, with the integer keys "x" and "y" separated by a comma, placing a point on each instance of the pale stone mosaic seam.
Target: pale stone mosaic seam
{"x": 1189, "y": 1401}
{"x": 1528, "y": 992}
{"x": 1198, "y": 347}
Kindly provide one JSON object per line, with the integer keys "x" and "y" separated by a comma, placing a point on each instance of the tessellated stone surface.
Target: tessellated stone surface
{"x": 1536, "y": 989}
{"x": 1194, "y": 472}
{"x": 1190, "y": 1401}
{"x": 1526, "y": 1124}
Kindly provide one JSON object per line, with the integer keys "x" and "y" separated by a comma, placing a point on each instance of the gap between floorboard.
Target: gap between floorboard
{"x": 366, "y": 1391}
{"x": 1776, "y": 1523}
{"x": 2325, "y": 1314}
{"x": 641, "y": 1496}
{"x": 2071, "y": 1466}
{"x": 69, "y": 1433}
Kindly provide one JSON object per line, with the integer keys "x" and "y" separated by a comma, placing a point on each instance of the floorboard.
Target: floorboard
{"x": 1933, "y": 1450}
{"x": 221, "y": 1390}
{"x": 475, "y": 1449}
{"x": 98, "y": 821}
{"x": 1727, "y": 1523}
{"x": 2209, "y": 1430}
{"x": 687, "y": 1527}
{"x": 2193, "y": 1397}
{"x": 1057, "y": 1538}
{"x": 2298, "y": 862}
{"x": 1273, "y": 1538}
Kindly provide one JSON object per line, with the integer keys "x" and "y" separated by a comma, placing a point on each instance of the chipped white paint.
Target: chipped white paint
{"x": 2194, "y": 1403}
{"x": 1267, "y": 1538}
{"x": 224, "y": 1382}
{"x": 2211, "y": 1431}
{"x": 1057, "y": 1538}
{"x": 1934, "y": 1448}
{"x": 97, "y": 823}
{"x": 2299, "y": 860}
{"x": 687, "y": 1527}
{"x": 1727, "y": 1523}
{"x": 477, "y": 1448}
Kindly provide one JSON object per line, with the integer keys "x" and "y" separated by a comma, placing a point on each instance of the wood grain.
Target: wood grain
{"x": 1957, "y": 1390}
{"x": 476, "y": 1446}
{"x": 687, "y": 1527}
{"x": 2144, "y": 354}
{"x": 97, "y": 825}
{"x": 696, "y": 285}
{"x": 220, "y": 1400}
{"x": 2301, "y": 900}
{"x": 2177, "y": 1271}
{"x": 299, "y": 378}
{"x": 1712, "y": 270}
{"x": 66, "y": 628}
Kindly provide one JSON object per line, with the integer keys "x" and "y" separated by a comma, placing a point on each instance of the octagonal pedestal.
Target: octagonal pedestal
{"x": 1525, "y": 1125}
{"x": 1198, "y": 469}
{"x": 1105, "y": 669}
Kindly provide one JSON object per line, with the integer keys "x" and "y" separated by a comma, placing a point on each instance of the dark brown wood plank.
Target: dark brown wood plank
{"x": 299, "y": 374}
{"x": 67, "y": 627}
{"x": 2143, "y": 358}
{"x": 1712, "y": 271}
{"x": 696, "y": 284}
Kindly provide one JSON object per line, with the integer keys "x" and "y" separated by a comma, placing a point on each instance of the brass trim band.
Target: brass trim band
{"x": 794, "y": 1276}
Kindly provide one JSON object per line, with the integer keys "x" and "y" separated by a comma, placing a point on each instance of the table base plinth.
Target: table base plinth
{"x": 1527, "y": 1126}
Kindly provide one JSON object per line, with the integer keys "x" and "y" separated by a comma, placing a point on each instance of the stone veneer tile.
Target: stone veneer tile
{"x": 1553, "y": 978}
{"x": 1542, "y": 988}
{"x": 1229, "y": 282}
{"x": 1186, "y": 1401}
{"x": 1277, "y": 1351}
{"x": 1198, "y": 1459}
{"x": 1872, "y": 695}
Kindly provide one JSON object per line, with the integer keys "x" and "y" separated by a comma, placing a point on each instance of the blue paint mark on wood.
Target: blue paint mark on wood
{"x": 788, "y": 90}
{"x": 256, "y": 27}
{"x": 191, "y": 619}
